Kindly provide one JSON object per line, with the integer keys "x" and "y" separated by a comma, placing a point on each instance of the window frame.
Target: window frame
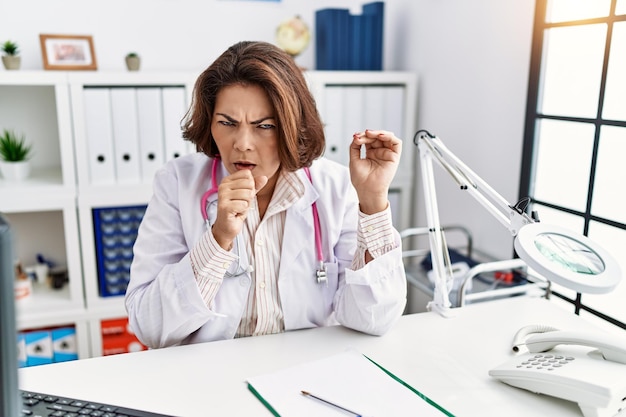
{"x": 533, "y": 116}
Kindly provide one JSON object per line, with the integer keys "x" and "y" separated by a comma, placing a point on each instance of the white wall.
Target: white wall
{"x": 472, "y": 58}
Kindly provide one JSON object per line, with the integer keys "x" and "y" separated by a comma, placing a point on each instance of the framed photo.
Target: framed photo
{"x": 68, "y": 52}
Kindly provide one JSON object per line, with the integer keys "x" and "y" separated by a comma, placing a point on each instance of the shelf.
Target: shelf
{"x": 48, "y": 307}
{"x": 106, "y": 308}
{"x": 52, "y": 211}
{"x": 129, "y": 78}
{"x": 32, "y": 78}
{"x": 114, "y": 195}
{"x": 44, "y": 190}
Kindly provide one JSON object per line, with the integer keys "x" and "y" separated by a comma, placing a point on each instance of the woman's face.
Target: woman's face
{"x": 244, "y": 129}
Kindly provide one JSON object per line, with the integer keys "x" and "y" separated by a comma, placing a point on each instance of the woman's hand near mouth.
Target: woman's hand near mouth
{"x": 234, "y": 198}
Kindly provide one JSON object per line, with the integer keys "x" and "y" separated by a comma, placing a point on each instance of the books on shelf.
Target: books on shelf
{"x": 345, "y": 41}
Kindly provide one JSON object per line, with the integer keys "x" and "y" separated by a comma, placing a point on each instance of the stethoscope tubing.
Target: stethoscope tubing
{"x": 321, "y": 272}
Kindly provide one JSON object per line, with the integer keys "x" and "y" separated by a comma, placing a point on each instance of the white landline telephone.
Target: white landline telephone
{"x": 594, "y": 379}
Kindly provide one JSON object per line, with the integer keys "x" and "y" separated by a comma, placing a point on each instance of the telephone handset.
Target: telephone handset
{"x": 595, "y": 379}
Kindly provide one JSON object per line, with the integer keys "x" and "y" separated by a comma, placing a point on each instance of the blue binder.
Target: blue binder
{"x": 373, "y": 16}
{"x": 349, "y": 42}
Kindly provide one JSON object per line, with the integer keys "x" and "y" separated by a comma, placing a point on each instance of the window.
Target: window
{"x": 574, "y": 159}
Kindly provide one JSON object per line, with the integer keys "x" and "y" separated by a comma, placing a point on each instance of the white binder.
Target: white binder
{"x": 336, "y": 143}
{"x": 125, "y": 135}
{"x": 394, "y": 111}
{"x": 174, "y": 108}
{"x": 393, "y": 105}
{"x": 151, "y": 139}
{"x": 374, "y": 109}
{"x": 354, "y": 115}
{"x": 99, "y": 135}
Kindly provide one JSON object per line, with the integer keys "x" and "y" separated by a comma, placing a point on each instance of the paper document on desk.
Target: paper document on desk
{"x": 348, "y": 379}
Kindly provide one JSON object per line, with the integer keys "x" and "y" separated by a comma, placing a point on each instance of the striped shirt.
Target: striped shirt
{"x": 263, "y": 242}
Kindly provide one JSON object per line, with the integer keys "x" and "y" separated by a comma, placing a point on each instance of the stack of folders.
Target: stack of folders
{"x": 344, "y": 384}
{"x": 344, "y": 41}
{"x": 131, "y": 131}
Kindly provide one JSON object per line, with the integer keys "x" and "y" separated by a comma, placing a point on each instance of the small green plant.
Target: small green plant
{"x": 13, "y": 148}
{"x": 132, "y": 55}
{"x": 10, "y": 48}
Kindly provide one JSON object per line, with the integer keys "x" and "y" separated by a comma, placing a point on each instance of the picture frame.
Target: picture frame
{"x": 68, "y": 52}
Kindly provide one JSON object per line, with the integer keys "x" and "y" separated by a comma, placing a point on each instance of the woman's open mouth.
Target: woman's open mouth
{"x": 244, "y": 165}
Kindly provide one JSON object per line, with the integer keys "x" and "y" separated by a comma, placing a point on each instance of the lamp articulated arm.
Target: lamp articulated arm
{"x": 512, "y": 217}
{"x": 557, "y": 254}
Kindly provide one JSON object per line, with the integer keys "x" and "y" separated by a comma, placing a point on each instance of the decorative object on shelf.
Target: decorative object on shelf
{"x": 133, "y": 61}
{"x": 344, "y": 41}
{"x": 14, "y": 156}
{"x": 68, "y": 52}
{"x": 23, "y": 286}
{"x": 293, "y": 36}
{"x": 11, "y": 59}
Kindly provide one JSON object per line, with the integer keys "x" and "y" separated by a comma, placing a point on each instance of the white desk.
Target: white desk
{"x": 445, "y": 359}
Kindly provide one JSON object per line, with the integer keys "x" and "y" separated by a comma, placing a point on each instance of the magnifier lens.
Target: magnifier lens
{"x": 569, "y": 253}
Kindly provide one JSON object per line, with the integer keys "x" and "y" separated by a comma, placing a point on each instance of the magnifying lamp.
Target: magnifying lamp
{"x": 559, "y": 255}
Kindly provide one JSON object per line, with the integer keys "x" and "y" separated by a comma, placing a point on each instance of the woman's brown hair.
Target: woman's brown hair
{"x": 300, "y": 129}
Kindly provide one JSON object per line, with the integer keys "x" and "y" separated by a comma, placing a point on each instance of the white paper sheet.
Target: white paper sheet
{"x": 348, "y": 379}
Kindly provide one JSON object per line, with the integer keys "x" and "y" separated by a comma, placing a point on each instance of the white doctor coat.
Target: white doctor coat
{"x": 163, "y": 301}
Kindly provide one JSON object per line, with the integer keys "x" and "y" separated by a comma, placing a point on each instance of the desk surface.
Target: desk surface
{"x": 447, "y": 359}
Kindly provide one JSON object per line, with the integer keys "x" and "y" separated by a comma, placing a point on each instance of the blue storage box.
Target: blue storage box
{"x": 115, "y": 232}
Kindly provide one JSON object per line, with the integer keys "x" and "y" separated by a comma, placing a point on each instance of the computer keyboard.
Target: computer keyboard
{"x": 43, "y": 405}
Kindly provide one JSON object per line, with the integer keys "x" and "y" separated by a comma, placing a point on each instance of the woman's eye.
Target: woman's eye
{"x": 225, "y": 123}
{"x": 266, "y": 126}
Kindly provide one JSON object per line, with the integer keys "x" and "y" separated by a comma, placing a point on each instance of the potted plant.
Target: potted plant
{"x": 14, "y": 156}
{"x": 11, "y": 60}
{"x": 133, "y": 61}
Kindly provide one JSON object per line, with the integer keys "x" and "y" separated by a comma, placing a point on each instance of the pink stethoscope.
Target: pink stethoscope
{"x": 320, "y": 273}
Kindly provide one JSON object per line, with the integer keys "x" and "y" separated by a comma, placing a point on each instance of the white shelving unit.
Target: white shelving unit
{"x": 350, "y": 101}
{"x": 52, "y": 211}
{"x": 43, "y": 208}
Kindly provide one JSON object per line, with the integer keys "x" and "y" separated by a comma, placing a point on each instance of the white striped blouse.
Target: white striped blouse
{"x": 263, "y": 313}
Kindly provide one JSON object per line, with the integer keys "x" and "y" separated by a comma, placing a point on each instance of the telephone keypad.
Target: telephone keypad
{"x": 545, "y": 362}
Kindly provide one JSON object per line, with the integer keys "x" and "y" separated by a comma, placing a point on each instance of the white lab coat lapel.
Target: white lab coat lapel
{"x": 299, "y": 227}
{"x": 211, "y": 202}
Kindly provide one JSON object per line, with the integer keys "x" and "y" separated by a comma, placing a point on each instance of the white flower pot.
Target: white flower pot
{"x": 133, "y": 63}
{"x": 15, "y": 171}
{"x": 11, "y": 62}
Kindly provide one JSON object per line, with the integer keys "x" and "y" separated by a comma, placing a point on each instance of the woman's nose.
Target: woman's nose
{"x": 244, "y": 140}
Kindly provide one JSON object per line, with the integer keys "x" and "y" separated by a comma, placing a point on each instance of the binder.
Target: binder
{"x": 64, "y": 346}
{"x": 98, "y": 129}
{"x": 151, "y": 139}
{"x": 343, "y": 46}
{"x": 332, "y": 39}
{"x": 336, "y": 142}
{"x": 353, "y": 113}
{"x": 174, "y": 108}
{"x": 375, "y": 112}
{"x": 325, "y": 24}
{"x": 394, "y": 117}
{"x": 356, "y": 43}
{"x": 125, "y": 135}
{"x": 373, "y": 16}
{"x": 393, "y": 106}
{"x": 349, "y": 42}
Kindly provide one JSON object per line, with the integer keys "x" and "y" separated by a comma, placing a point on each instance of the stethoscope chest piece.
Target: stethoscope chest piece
{"x": 320, "y": 274}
